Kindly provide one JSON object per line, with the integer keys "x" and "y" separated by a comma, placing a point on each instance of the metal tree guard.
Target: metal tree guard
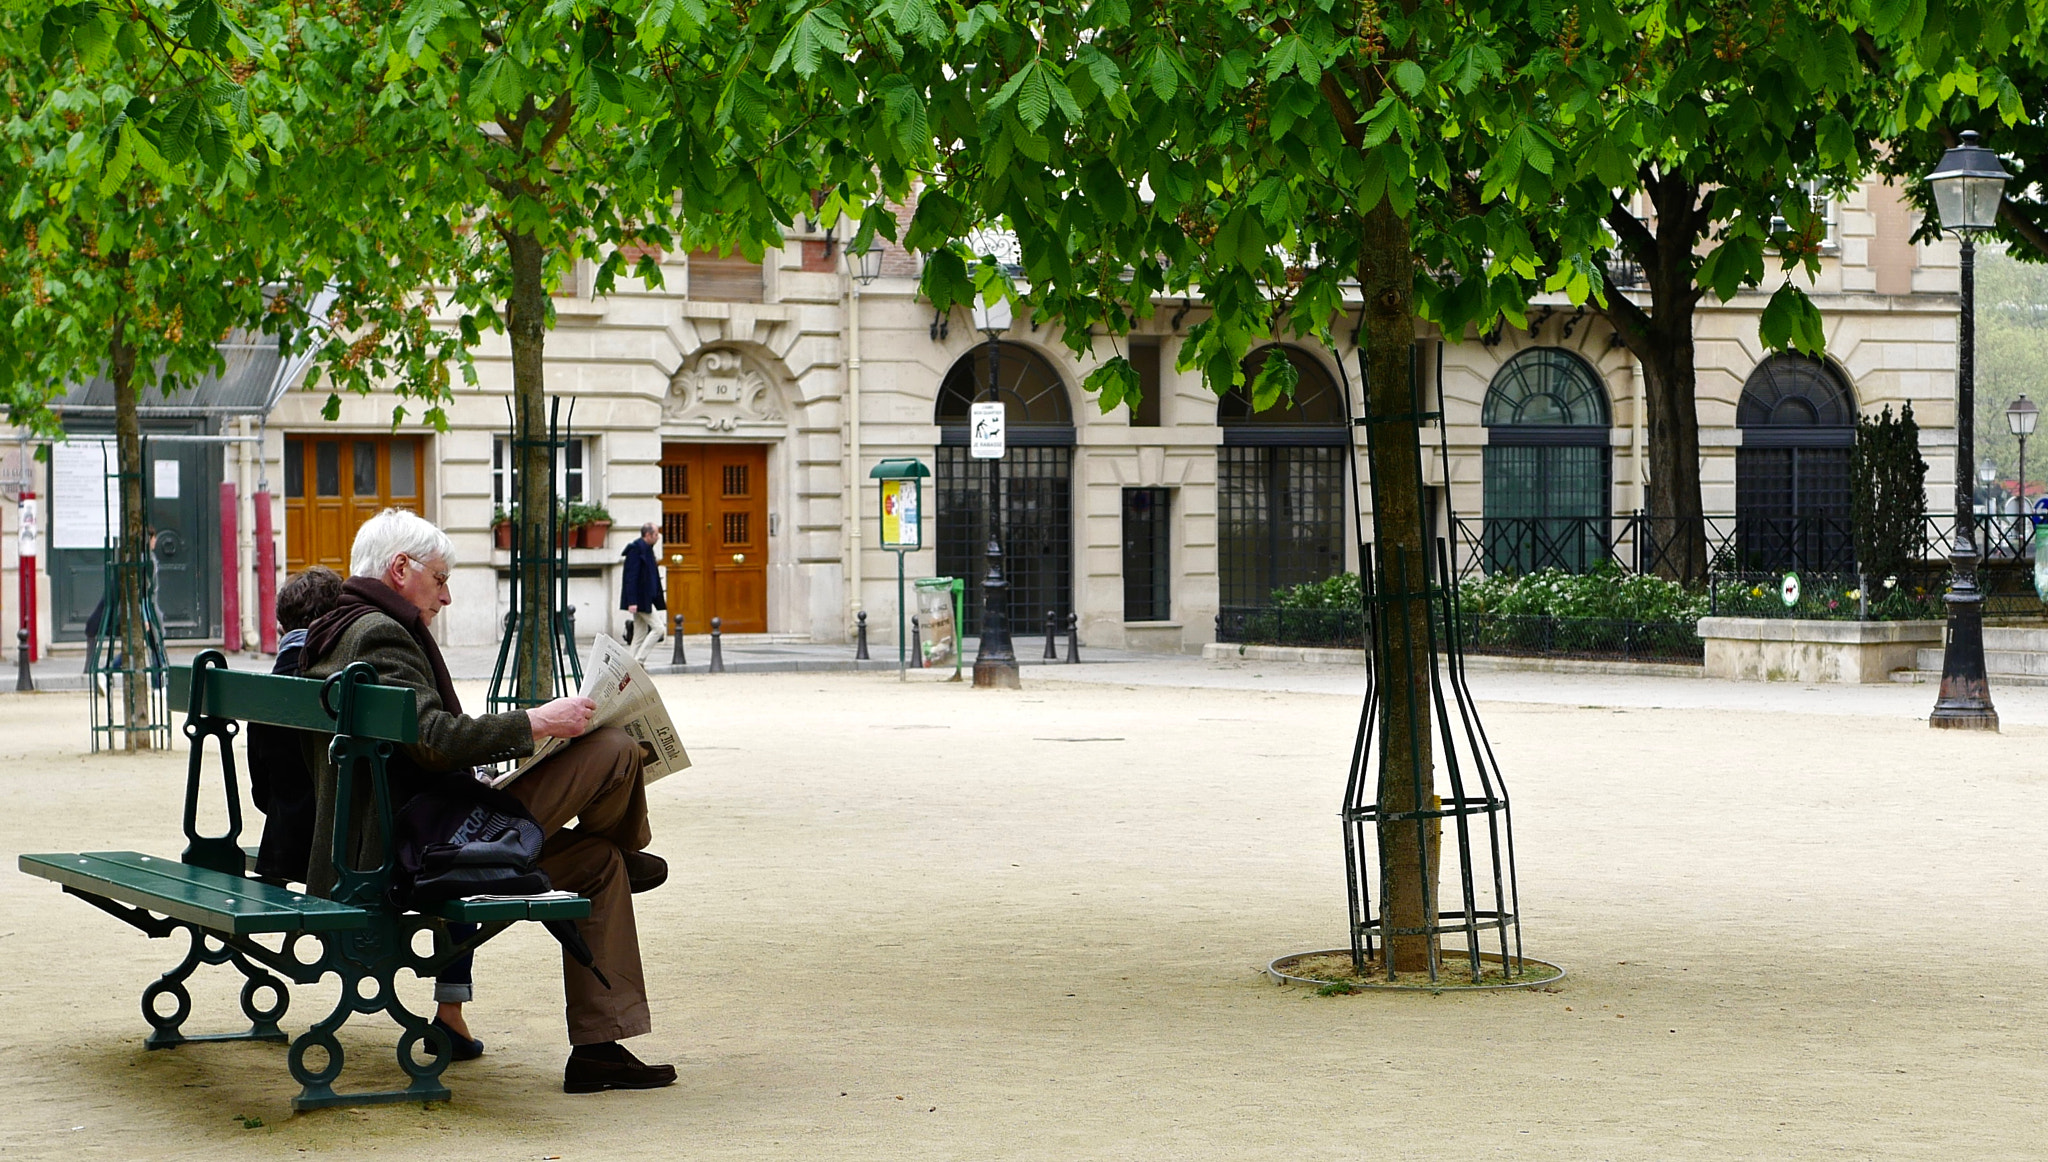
{"x": 1485, "y": 892}
{"x": 106, "y": 661}
{"x": 538, "y": 545}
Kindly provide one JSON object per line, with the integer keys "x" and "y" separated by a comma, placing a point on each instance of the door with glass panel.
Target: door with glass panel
{"x": 333, "y": 483}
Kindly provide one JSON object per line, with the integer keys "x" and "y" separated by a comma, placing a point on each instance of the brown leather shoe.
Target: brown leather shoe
{"x": 645, "y": 871}
{"x": 595, "y": 1068}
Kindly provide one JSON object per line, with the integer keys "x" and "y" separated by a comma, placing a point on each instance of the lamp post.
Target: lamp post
{"x": 995, "y": 659}
{"x": 864, "y": 266}
{"x": 2020, "y": 417}
{"x": 1968, "y": 185}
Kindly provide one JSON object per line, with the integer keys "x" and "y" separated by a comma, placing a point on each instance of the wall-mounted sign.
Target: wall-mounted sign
{"x": 985, "y": 431}
{"x": 83, "y": 502}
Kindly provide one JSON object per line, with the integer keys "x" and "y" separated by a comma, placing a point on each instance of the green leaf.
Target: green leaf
{"x": 1114, "y": 382}
{"x": 1277, "y": 377}
{"x": 1791, "y": 319}
{"x": 1410, "y": 78}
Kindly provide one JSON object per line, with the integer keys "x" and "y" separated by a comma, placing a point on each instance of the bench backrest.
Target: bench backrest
{"x": 385, "y": 713}
{"x": 365, "y": 719}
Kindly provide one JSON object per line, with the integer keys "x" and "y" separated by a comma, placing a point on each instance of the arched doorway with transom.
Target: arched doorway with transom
{"x": 1280, "y": 483}
{"x": 1547, "y": 467}
{"x": 1037, "y": 485}
{"x": 1797, "y": 416}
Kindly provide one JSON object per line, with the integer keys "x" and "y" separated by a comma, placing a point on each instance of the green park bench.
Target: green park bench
{"x": 353, "y": 932}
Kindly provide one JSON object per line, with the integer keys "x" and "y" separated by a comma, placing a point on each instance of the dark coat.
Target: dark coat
{"x": 449, "y": 744}
{"x": 642, "y": 585}
{"x": 282, "y": 788}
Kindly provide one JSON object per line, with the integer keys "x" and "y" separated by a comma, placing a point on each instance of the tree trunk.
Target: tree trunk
{"x": 526, "y": 322}
{"x": 1661, "y": 339}
{"x": 1409, "y": 850}
{"x": 132, "y": 549}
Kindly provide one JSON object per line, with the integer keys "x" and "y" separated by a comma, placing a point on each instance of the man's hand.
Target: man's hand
{"x": 562, "y": 718}
{"x": 632, "y": 609}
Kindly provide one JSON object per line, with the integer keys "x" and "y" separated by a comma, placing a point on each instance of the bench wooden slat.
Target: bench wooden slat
{"x": 223, "y": 903}
{"x": 388, "y": 713}
{"x": 492, "y": 911}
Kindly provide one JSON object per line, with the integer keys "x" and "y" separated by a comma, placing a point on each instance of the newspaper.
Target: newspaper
{"x": 626, "y": 698}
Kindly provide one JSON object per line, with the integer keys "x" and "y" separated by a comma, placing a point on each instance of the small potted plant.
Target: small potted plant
{"x": 502, "y": 523}
{"x": 595, "y": 523}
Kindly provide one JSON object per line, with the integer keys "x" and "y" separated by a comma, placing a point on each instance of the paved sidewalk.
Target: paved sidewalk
{"x": 742, "y": 653}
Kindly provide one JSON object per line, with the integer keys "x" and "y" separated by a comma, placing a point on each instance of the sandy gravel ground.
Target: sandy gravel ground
{"x": 923, "y": 922}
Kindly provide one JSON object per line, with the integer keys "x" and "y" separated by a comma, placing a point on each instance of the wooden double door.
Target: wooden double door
{"x": 714, "y": 535}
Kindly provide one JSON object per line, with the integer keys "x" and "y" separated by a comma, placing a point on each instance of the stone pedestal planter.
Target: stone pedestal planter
{"x": 1761, "y": 649}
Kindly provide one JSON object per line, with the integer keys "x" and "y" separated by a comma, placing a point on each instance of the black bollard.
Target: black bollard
{"x": 1073, "y": 638}
{"x": 1052, "y": 636}
{"x": 676, "y": 658}
{"x": 24, "y": 682}
{"x": 916, "y": 645}
{"x": 860, "y": 649}
{"x": 717, "y": 652}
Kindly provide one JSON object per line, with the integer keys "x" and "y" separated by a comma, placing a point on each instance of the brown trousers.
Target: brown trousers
{"x": 595, "y": 780}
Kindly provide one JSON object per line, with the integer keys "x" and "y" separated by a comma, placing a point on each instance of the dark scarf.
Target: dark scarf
{"x": 366, "y": 595}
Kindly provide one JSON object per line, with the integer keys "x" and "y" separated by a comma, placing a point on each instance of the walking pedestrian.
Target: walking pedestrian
{"x": 640, "y": 593}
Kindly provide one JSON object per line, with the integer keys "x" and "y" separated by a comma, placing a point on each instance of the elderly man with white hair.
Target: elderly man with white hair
{"x": 399, "y": 566}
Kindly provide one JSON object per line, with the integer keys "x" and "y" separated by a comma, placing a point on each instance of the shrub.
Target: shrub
{"x": 1607, "y": 593}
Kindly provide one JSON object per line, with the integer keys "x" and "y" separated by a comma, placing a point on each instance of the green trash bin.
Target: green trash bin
{"x": 941, "y": 605}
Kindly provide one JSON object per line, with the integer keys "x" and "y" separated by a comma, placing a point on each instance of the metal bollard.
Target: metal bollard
{"x": 860, "y": 649}
{"x": 676, "y": 658}
{"x": 1073, "y": 638}
{"x": 717, "y": 652}
{"x": 1052, "y": 636}
{"x": 24, "y": 682}
{"x": 916, "y": 645}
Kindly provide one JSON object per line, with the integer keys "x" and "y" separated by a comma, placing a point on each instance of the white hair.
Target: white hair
{"x": 394, "y": 533}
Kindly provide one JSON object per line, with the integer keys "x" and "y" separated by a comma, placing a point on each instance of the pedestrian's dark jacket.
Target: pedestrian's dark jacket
{"x": 642, "y": 584}
{"x": 374, "y": 624}
{"x": 280, "y": 784}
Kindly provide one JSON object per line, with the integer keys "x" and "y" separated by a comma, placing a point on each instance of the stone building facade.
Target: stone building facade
{"x": 788, "y": 382}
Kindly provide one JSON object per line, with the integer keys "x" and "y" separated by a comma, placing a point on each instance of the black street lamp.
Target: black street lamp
{"x": 1968, "y": 185}
{"x": 995, "y": 658}
{"x": 2020, "y": 417}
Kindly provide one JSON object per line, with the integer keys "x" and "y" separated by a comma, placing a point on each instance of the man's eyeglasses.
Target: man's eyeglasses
{"x": 440, "y": 577}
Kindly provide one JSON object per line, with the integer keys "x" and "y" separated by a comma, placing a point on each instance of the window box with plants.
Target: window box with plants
{"x": 588, "y": 525}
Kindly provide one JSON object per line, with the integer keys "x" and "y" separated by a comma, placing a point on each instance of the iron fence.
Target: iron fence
{"x": 1723, "y": 543}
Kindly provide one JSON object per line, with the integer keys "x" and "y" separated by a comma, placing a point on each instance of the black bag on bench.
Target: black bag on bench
{"x": 471, "y": 840}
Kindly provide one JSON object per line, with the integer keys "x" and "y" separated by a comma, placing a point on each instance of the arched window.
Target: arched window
{"x": 1036, "y": 480}
{"x": 1792, "y": 504}
{"x": 1547, "y": 467}
{"x": 1317, "y": 404}
{"x": 1280, "y": 483}
{"x": 1036, "y": 407}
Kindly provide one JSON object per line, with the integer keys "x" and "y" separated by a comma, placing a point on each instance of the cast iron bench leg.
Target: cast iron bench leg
{"x": 166, "y": 1029}
{"x": 367, "y": 962}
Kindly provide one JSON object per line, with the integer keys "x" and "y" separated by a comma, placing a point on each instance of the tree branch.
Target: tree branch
{"x": 2028, "y": 229}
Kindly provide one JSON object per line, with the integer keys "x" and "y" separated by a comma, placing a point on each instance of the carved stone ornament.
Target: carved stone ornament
{"x": 721, "y": 390}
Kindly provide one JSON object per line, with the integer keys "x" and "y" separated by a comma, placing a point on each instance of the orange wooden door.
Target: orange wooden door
{"x": 333, "y": 483}
{"x": 714, "y": 518}
{"x": 682, "y": 521}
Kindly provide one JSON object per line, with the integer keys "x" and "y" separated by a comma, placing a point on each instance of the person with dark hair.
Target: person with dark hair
{"x": 279, "y": 783}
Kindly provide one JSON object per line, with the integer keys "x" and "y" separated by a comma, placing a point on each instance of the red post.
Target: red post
{"x": 230, "y": 568}
{"x": 266, "y": 575}
{"x": 26, "y": 571}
